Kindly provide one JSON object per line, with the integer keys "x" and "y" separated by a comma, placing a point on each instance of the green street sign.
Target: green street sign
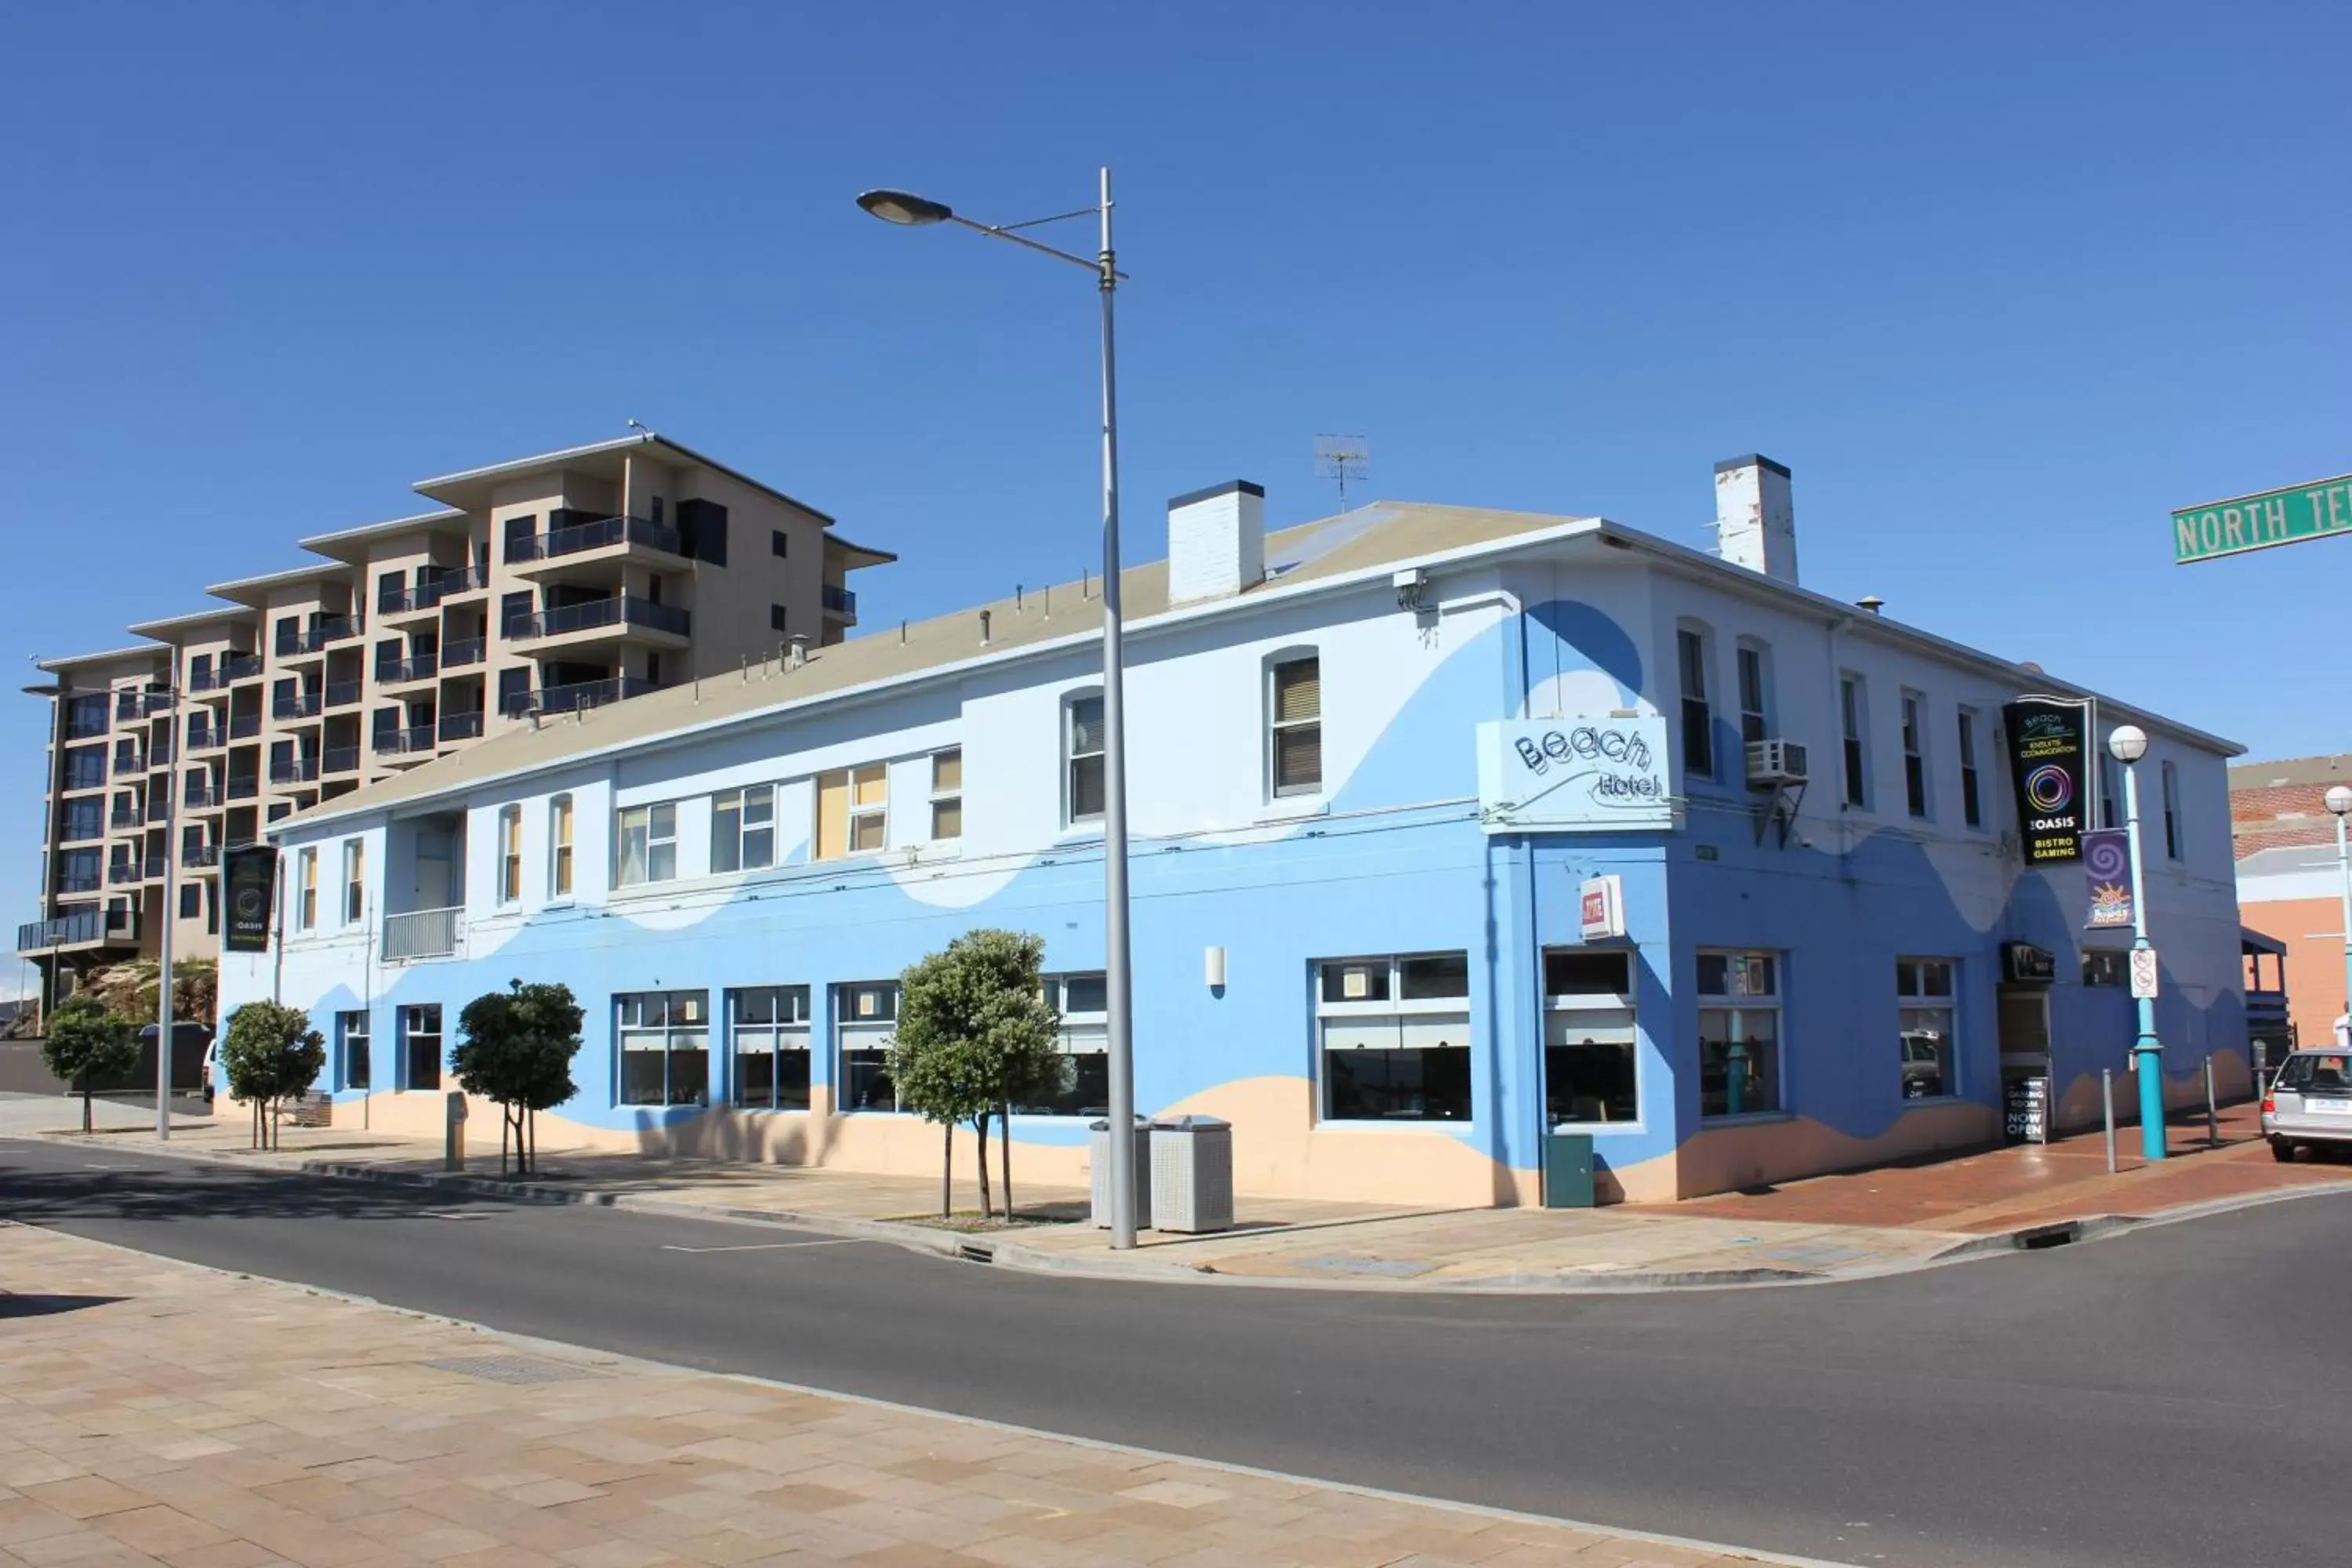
{"x": 2258, "y": 521}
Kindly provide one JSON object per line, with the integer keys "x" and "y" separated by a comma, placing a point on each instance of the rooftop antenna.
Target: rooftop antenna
{"x": 1342, "y": 457}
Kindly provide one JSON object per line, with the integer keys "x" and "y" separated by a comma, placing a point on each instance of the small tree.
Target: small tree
{"x": 270, "y": 1054}
{"x": 515, "y": 1049}
{"x": 86, "y": 1042}
{"x": 974, "y": 1030}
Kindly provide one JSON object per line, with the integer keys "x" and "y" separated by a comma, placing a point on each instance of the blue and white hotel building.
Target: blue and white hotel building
{"x": 1450, "y": 826}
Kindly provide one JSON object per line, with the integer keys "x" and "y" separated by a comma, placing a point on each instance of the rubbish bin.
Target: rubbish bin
{"x": 1192, "y": 1174}
{"x": 1099, "y": 1149}
{"x": 1568, "y": 1170}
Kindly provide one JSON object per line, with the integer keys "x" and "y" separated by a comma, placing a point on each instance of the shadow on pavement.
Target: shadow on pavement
{"x": 36, "y": 1196}
{"x": 49, "y": 1306}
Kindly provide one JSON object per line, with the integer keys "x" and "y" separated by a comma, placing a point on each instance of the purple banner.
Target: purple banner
{"x": 2106, "y": 868}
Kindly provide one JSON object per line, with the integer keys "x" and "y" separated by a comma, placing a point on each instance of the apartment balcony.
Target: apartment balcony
{"x": 123, "y": 818}
{"x": 423, "y": 933}
{"x": 600, "y": 548}
{"x": 91, "y": 927}
{"x": 415, "y": 740}
{"x": 425, "y": 597}
{"x": 409, "y": 671}
{"x": 247, "y": 786}
{"x": 577, "y": 695}
{"x": 126, "y": 763}
{"x": 78, "y": 881}
{"x": 314, "y": 640}
{"x": 304, "y": 705}
{"x": 81, "y": 729}
{"x": 464, "y": 651}
{"x": 293, "y": 769}
{"x": 204, "y": 679}
{"x": 244, "y": 726}
{"x": 199, "y": 854}
{"x": 622, "y": 617}
{"x": 239, "y": 667}
{"x": 841, "y": 603}
{"x": 159, "y": 754}
{"x": 205, "y": 799}
{"x": 126, "y": 873}
{"x": 461, "y": 726}
{"x": 342, "y": 693}
{"x": 207, "y": 737}
{"x": 340, "y": 759}
{"x": 72, "y": 832}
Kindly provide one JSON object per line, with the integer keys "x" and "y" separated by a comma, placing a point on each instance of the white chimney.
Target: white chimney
{"x": 1755, "y": 522}
{"x": 1216, "y": 541}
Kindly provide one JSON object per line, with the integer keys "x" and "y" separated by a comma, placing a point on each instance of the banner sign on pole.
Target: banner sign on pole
{"x": 249, "y": 883}
{"x": 2106, "y": 867}
{"x": 2049, "y": 762}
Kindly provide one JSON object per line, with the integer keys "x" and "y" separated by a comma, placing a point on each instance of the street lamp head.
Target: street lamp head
{"x": 2339, "y": 801}
{"x": 2129, "y": 743}
{"x": 904, "y": 207}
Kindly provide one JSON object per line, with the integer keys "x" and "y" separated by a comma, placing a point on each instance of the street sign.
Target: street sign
{"x": 2143, "y": 973}
{"x": 2257, "y": 522}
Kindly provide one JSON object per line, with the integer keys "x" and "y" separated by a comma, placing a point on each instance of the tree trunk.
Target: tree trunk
{"x": 987, "y": 1205}
{"x": 947, "y": 1170}
{"x": 85, "y": 1104}
{"x": 1005, "y": 1157}
{"x": 533, "y": 1115}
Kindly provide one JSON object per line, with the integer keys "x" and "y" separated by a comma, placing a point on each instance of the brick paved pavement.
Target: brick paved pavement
{"x": 155, "y": 1415}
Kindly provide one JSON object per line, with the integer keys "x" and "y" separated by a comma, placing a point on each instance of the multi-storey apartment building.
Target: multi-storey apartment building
{"x": 571, "y": 580}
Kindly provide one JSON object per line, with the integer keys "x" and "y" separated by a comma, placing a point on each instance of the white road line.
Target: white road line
{"x": 768, "y": 1246}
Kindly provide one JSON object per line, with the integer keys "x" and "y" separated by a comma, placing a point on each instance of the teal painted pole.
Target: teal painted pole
{"x": 2338, "y": 804}
{"x": 2147, "y": 1052}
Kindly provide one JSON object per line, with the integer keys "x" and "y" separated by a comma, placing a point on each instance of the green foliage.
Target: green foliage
{"x": 86, "y": 1043}
{"x": 515, "y": 1047}
{"x": 270, "y": 1054}
{"x": 974, "y": 1030}
{"x": 129, "y": 988}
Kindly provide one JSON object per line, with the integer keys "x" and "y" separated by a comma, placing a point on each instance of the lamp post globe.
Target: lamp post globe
{"x": 2129, "y": 743}
{"x": 2339, "y": 800}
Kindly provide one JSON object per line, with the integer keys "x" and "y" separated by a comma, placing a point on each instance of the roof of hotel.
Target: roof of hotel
{"x": 317, "y": 571}
{"x": 1352, "y": 548}
{"x": 423, "y": 522}
{"x": 470, "y": 477}
{"x": 221, "y": 612}
{"x": 109, "y": 656}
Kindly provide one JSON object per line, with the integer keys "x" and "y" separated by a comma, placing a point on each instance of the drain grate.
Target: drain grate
{"x": 510, "y": 1369}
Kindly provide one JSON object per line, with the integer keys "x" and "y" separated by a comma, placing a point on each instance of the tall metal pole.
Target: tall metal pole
{"x": 1116, "y": 980}
{"x": 169, "y": 913}
{"x": 2148, "y": 1054}
{"x": 2343, "y": 871}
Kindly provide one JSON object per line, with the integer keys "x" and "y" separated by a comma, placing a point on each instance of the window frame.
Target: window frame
{"x": 306, "y": 903}
{"x": 672, "y": 1031}
{"x": 355, "y": 881}
{"x": 1277, "y": 728}
{"x": 1736, "y": 1007}
{"x": 1918, "y": 792}
{"x": 947, "y": 795}
{"x": 1570, "y": 1005}
{"x": 1853, "y": 739}
{"x": 2110, "y": 789}
{"x": 1087, "y": 1028}
{"x": 1923, "y": 999}
{"x": 738, "y": 805}
{"x": 1072, "y": 757}
{"x": 777, "y": 1028}
{"x": 863, "y": 813}
{"x": 2167, "y": 777}
{"x": 1392, "y": 1005}
{"x": 1964, "y": 728}
{"x": 1694, "y": 710}
{"x": 345, "y": 1037}
{"x": 405, "y": 1021}
{"x": 560, "y": 858}
{"x": 650, "y": 812}
{"x": 506, "y": 890}
{"x": 880, "y": 1029}
{"x": 1754, "y": 655}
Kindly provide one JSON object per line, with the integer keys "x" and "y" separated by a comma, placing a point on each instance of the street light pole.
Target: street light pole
{"x": 2339, "y": 801}
{"x": 908, "y": 210}
{"x": 2129, "y": 743}
{"x": 168, "y": 915}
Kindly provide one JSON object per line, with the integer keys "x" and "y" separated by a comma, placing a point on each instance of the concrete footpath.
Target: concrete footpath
{"x": 1852, "y": 1225}
{"x": 158, "y": 1414}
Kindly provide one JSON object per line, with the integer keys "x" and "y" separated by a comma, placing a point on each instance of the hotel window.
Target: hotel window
{"x": 2105, "y": 966}
{"x": 351, "y": 1049}
{"x": 1738, "y": 1033}
{"x": 1589, "y": 1075}
{"x": 510, "y": 853}
{"x": 420, "y": 1046}
{"x": 866, "y": 1015}
{"x": 1698, "y": 721}
{"x": 1082, "y": 1085}
{"x": 776, "y": 617}
{"x": 1755, "y": 691}
{"x": 869, "y": 801}
{"x": 306, "y": 912}
{"x": 1915, "y": 754}
{"x": 2171, "y": 782}
{"x": 1924, "y": 994}
{"x": 665, "y": 1040}
{"x": 1972, "y": 801}
{"x": 777, "y": 543}
{"x": 768, "y": 1046}
{"x": 192, "y": 899}
{"x": 1395, "y": 1037}
{"x": 2108, "y": 793}
{"x": 1854, "y": 719}
{"x": 1295, "y": 726}
{"x": 1082, "y": 753}
{"x": 559, "y": 847}
{"x": 947, "y": 795}
{"x": 648, "y": 843}
{"x": 743, "y": 828}
{"x": 354, "y": 880}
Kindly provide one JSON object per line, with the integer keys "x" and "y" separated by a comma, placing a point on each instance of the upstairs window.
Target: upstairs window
{"x": 947, "y": 795}
{"x": 743, "y": 828}
{"x": 510, "y": 853}
{"x": 777, "y": 543}
{"x": 648, "y": 843}
{"x": 2170, "y": 776}
{"x": 354, "y": 880}
{"x": 2109, "y": 791}
{"x": 1915, "y": 754}
{"x": 1755, "y": 693}
{"x": 306, "y": 908}
{"x": 1295, "y": 724}
{"x": 852, "y": 811}
{"x": 1854, "y": 719}
{"x": 1082, "y": 751}
{"x": 1971, "y": 800}
{"x": 559, "y": 847}
{"x": 1698, "y": 721}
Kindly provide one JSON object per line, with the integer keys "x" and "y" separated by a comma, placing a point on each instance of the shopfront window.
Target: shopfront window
{"x": 1738, "y": 1033}
{"x": 420, "y": 1046}
{"x": 1589, "y": 1049}
{"x": 1924, "y": 993}
{"x": 866, "y": 1015}
{"x": 664, "y": 1040}
{"x": 768, "y": 1045}
{"x": 1394, "y": 1037}
{"x": 1082, "y": 1088}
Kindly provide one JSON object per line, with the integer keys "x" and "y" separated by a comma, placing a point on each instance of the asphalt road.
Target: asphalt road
{"x": 2177, "y": 1396}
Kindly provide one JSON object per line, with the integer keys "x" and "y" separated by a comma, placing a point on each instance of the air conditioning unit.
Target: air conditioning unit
{"x": 1774, "y": 763}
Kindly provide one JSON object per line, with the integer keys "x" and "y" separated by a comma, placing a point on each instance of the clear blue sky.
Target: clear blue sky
{"x": 2002, "y": 283}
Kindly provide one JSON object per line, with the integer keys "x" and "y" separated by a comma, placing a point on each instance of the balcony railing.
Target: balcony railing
{"x": 245, "y": 786}
{"x": 404, "y": 742}
{"x": 620, "y": 609}
{"x": 159, "y": 753}
{"x": 334, "y": 628}
{"x": 121, "y": 872}
{"x": 578, "y": 694}
{"x": 124, "y": 817}
{"x": 239, "y": 667}
{"x": 461, "y": 726}
{"x": 342, "y": 693}
{"x": 293, "y": 769}
{"x": 78, "y": 881}
{"x": 439, "y": 584}
{"x": 340, "y": 759}
{"x": 204, "y": 679}
{"x": 840, "y": 601}
{"x": 204, "y": 799}
{"x": 200, "y": 855}
{"x": 465, "y": 650}
{"x": 304, "y": 705}
{"x": 579, "y": 536}
{"x": 420, "y": 667}
{"x": 80, "y": 926}
{"x": 155, "y": 701}
{"x": 244, "y": 726}
{"x": 423, "y": 933}
{"x": 206, "y": 737}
